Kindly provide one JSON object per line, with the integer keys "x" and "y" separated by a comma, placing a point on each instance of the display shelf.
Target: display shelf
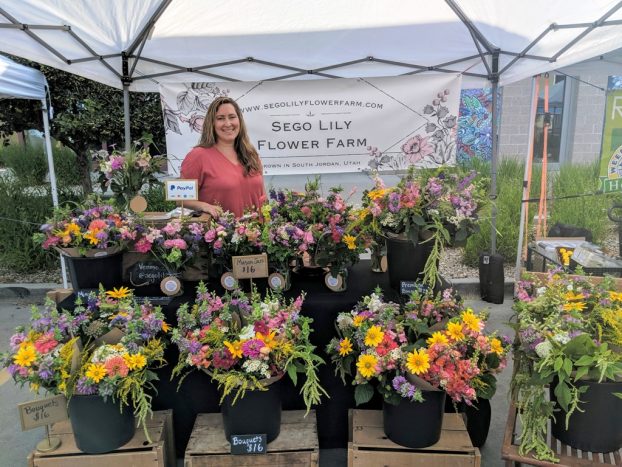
{"x": 296, "y": 445}
{"x": 369, "y": 447}
{"x": 138, "y": 452}
{"x": 568, "y": 457}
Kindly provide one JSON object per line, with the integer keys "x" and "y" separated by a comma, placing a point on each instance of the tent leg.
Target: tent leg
{"x": 50, "y": 157}
{"x": 523, "y": 207}
{"x": 126, "y": 116}
{"x": 493, "y": 171}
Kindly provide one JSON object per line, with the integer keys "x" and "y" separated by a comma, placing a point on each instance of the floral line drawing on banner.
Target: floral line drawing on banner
{"x": 435, "y": 148}
{"x": 191, "y": 106}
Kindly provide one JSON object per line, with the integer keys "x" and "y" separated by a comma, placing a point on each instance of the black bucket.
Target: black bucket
{"x": 88, "y": 273}
{"x": 598, "y": 426}
{"x": 406, "y": 261}
{"x": 415, "y": 424}
{"x": 258, "y": 412}
{"x": 99, "y": 426}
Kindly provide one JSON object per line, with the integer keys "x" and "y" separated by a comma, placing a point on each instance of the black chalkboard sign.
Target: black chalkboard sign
{"x": 147, "y": 273}
{"x": 408, "y": 287}
{"x": 248, "y": 444}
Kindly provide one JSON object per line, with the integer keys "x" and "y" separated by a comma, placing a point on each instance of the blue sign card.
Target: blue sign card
{"x": 248, "y": 444}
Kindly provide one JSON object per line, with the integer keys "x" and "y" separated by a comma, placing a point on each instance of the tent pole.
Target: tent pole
{"x": 494, "y": 78}
{"x": 523, "y": 207}
{"x": 126, "y": 99}
{"x": 50, "y": 157}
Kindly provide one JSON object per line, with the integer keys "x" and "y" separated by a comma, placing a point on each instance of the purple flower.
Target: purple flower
{"x": 251, "y": 348}
{"x": 394, "y": 202}
{"x": 84, "y": 388}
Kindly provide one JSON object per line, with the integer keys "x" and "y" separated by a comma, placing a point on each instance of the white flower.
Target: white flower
{"x": 256, "y": 366}
{"x": 374, "y": 303}
{"x": 344, "y": 320}
{"x": 541, "y": 290}
{"x": 543, "y": 349}
{"x": 247, "y": 332}
{"x": 395, "y": 354}
{"x": 236, "y": 238}
{"x": 561, "y": 338}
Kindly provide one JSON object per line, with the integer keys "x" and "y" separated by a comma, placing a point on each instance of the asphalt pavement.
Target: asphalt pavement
{"x": 15, "y": 303}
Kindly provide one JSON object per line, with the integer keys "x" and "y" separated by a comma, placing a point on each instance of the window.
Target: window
{"x": 558, "y": 92}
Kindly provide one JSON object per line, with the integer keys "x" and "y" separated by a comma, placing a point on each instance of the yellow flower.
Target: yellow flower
{"x": 418, "y": 361}
{"x": 574, "y": 306}
{"x": 267, "y": 339}
{"x": 358, "y": 320}
{"x": 34, "y": 387}
{"x": 135, "y": 361}
{"x": 437, "y": 338}
{"x": 72, "y": 228}
{"x": 345, "y": 347}
{"x": 91, "y": 236}
{"x": 26, "y": 355}
{"x": 366, "y": 365}
{"x": 495, "y": 346}
{"x": 471, "y": 320}
{"x": 96, "y": 371}
{"x": 350, "y": 241}
{"x": 615, "y": 296}
{"x": 235, "y": 348}
{"x": 165, "y": 326}
{"x": 571, "y": 296}
{"x": 363, "y": 213}
{"x": 121, "y": 292}
{"x": 377, "y": 193}
{"x": 286, "y": 347}
{"x": 454, "y": 331}
{"x": 374, "y": 336}
{"x": 265, "y": 212}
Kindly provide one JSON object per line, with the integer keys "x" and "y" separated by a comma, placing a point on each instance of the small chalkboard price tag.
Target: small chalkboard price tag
{"x": 248, "y": 444}
{"x": 250, "y": 266}
{"x": 42, "y": 412}
{"x": 147, "y": 273}
{"x": 408, "y": 287}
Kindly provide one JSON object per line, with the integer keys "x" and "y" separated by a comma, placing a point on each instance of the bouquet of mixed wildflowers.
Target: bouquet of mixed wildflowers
{"x": 229, "y": 236}
{"x": 125, "y": 173}
{"x": 245, "y": 344}
{"x": 86, "y": 231}
{"x": 569, "y": 329}
{"x": 381, "y": 346}
{"x": 329, "y": 238}
{"x": 174, "y": 245}
{"x": 284, "y": 240}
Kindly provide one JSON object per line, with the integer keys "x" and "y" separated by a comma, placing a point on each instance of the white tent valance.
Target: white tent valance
{"x": 20, "y": 82}
{"x": 147, "y": 42}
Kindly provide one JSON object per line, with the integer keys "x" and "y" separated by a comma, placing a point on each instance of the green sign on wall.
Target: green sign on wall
{"x": 611, "y": 151}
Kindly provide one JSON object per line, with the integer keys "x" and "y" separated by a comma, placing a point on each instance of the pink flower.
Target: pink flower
{"x": 306, "y": 210}
{"x": 46, "y": 343}
{"x": 116, "y": 366}
{"x": 416, "y": 148}
{"x": 172, "y": 228}
{"x": 116, "y": 162}
{"x": 252, "y": 348}
{"x": 176, "y": 243}
{"x": 308, "y": 237}
{"x": 143, "y": 245}
{"x": 50, "y": 241}
{"x": 210, "y": 235}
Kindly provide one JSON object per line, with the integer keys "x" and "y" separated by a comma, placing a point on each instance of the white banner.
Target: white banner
{"x": 330, "y": 125}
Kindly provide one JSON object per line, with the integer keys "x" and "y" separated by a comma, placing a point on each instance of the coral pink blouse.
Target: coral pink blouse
{"x": 222, "y": 182}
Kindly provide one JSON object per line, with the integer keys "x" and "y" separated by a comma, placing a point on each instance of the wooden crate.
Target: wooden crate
{"x": 369, "y": 446}
{"x": 58, "y": 295}
{"x": 568, "y": 457}
{"x": 138, "y": 452}
{"x": 296, "y": 445}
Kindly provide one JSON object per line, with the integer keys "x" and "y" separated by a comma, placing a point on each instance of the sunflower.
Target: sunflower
{"x": 574, "y": 306}
{"x": 374, "y": 336}
{"x": 495, "y": 346}
{"x": 345, "y": 346}
{"x": 96, "y": 372}
{"x": 366, "y": 365}
{"x": 418, "y": 361}
{"x": 358, "y": 320}
{"x": 135, "y": 361}
{"x": 571, "y": 296}
{"x": 471, "y": 320}
{"x": 26, "y": 355}
{"x": 615, "y": 296}
{"x": 454, "y": 331}
{"x": 121, "y": 292}
{"x": 235, "y": 348}
{"x": 437, "y": 338}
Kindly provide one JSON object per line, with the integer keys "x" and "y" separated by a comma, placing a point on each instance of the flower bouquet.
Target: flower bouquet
{"x": 126, "y": 172}
{"x": 569, "y": 338}
{"x": 245, "y": 345}
{"x": 328, "y": 240}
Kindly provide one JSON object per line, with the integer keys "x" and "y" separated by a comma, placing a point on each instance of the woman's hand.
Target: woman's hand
{"x": 212, "y": 210}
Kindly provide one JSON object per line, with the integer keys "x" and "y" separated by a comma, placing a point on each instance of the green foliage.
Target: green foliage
{"x": 155, "y": 199}
{"x": 27, "y": 163}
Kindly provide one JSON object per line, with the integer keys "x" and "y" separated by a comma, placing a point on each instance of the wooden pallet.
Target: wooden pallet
{"x": 296, "y": 445}
{"x": 138, "y": 452}
{"x": 568, "y": 457}
{"x": 369, "y": 446}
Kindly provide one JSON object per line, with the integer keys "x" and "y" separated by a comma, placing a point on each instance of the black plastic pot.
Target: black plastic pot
{"x": 598, "y": 427}
{"x": 99, "y": 426}
{"x": 415, "y": 424}
{"x": 257, "y": 412}
{"x": 478, "y": 421}
{"x": 88, "y": 273}
{"x": 406, "y": 261}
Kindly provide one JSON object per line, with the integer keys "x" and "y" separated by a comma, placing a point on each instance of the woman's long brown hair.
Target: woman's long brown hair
{"x": 247, "y": 154}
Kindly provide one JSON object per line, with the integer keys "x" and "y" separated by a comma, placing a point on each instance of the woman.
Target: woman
{"x": 225, "y": 163}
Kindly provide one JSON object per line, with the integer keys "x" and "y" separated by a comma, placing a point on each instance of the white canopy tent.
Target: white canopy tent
{"x": 138, "y": 44}
{"x": 21, "y": 82}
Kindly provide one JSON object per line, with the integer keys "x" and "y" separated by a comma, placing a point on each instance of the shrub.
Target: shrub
{"x": 155, "y": 199}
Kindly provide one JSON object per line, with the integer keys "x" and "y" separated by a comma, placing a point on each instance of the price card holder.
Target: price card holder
{"x": 44, "y": 412}
{"x": 250, "y": 266}
{"x": 248, "y": 444}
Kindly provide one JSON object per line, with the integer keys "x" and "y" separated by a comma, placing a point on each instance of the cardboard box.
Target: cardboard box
{"x": 58, "y": 295}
